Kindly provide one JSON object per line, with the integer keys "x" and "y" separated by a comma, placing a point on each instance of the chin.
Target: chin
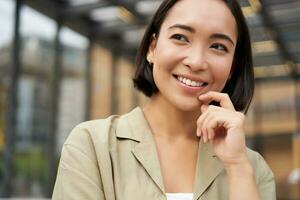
{"x": 189, "y": 106}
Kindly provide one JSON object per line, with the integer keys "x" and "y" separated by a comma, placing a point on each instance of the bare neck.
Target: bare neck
{"x": 167, "y": 121}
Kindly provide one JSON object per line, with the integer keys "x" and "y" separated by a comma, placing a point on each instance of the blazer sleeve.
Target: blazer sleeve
{"x": 266, "y": 182}
{"x": 78, "y": 175}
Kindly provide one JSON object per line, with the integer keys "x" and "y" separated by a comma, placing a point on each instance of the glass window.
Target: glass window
{"x": 32, "y": 130}
{"x": 74, "y": 63}
{"x": 6, "y": 35}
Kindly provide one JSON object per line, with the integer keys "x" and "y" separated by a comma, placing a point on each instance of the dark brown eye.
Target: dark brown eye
{"x": 219, "y": 47}
{"x": 179, "y": 37}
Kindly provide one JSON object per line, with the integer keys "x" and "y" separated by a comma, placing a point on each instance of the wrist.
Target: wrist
{"x": 239, "y": 170}
{"x": 242, "y": 182}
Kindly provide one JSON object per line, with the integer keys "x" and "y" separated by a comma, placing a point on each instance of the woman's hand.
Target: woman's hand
{"x": 223, "y": 127}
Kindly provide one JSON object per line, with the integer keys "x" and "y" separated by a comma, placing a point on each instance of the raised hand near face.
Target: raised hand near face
{"x": 223, "y": 127}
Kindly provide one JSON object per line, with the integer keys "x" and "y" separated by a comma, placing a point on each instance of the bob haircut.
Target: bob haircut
{"x": 239, "y": 87}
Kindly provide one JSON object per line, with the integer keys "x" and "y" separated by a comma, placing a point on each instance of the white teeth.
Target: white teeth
{"x": 190, "y": 82}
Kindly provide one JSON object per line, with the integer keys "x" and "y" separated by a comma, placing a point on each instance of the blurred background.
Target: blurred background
{"x": 66, "y": 61}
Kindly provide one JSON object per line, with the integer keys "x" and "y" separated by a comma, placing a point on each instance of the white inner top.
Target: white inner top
{"x": 179, "y": 196}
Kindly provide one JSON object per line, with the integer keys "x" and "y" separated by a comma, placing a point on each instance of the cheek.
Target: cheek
{"x": 221, "y": 69}
{"x": 166, "y": 55}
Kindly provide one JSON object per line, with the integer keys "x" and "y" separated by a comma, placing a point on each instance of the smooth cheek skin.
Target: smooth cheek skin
{"x": 220, "y": 73}
{"x": 171, "y": 56}
{"x": 168, "y": 60}
{"x": 165, "y": 66}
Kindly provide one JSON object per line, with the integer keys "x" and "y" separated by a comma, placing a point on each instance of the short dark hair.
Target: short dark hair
{"x": 240, "y": 86}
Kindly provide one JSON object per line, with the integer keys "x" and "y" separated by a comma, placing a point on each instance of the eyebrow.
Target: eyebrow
{"x": 184, "y": 27}
{"x": 222, "y": 36}
{"x": 192, "y": 30}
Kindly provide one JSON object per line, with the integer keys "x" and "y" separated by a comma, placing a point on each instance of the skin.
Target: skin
{"x": 198, "y": 44}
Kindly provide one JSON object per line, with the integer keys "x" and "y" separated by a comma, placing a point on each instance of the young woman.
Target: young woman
{"x": 188, "y": 141}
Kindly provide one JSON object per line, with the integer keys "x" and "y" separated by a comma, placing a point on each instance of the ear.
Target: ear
{"x": 151, "y": 49}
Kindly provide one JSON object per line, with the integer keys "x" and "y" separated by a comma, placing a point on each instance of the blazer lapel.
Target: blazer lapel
{"x": 208, "y": 168}
{"x": 134, "y": 126}
{"x": 146, "y": 154}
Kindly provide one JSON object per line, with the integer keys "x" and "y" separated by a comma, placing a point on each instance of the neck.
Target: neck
{"x": 167, "y": 121}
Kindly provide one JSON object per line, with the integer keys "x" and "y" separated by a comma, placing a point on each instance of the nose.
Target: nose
{"x": 195, "y": 58}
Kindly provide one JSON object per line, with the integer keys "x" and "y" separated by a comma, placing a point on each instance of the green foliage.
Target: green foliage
{"x": 31, "y": 164}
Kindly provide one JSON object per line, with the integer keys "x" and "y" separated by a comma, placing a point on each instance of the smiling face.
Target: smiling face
{"x": 194, "y": 51}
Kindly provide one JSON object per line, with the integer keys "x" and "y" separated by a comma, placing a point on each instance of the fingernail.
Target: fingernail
{"x": 199, "y": 133}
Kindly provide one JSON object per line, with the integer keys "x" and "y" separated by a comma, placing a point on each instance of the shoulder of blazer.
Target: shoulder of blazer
{"x": 262, "y": 170}
{"x": 93, "y": 138}
{"x": 99, "y": 135}
{"x": 94, "y": 132}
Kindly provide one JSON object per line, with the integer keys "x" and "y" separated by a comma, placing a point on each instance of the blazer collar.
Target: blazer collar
{"x": 134, "y": 126}
{"x": 208, "y": 168}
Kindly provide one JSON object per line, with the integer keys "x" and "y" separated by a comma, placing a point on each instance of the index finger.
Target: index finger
{"x": 222, "y": 98}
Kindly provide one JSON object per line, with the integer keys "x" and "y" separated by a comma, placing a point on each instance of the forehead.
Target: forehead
{"x": 213, "y": 15}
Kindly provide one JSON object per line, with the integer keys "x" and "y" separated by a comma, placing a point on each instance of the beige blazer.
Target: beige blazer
{"x": 116, "y": 159}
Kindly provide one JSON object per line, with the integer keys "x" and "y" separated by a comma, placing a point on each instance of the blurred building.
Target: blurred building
{"x": 66, "y": 61}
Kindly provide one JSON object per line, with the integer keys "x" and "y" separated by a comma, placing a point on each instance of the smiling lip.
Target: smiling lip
{"x": 190, "y": 81}
{"x": 190, "y": 85}
{"x": 192, "y": 78}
